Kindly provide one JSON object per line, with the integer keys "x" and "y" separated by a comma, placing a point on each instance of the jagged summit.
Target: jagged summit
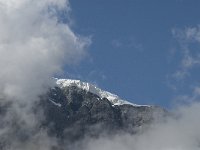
{"x": 114, "y": 99}
{"x": 74, "y": 109}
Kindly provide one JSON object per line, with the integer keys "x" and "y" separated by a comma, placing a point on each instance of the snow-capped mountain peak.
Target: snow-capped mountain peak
{"x": 114, "y": 99}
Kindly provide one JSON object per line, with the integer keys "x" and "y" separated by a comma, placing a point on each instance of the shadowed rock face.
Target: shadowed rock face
{"x": 72, "y": 113}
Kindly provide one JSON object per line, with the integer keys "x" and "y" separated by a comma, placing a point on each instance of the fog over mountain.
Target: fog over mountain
{"x": 36, "y": 112}
{"x": 34, "y": 46}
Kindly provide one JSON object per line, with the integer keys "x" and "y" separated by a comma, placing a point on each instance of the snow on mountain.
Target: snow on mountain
{"x": 114, "y": 99}
{"x": 57, "y": 104}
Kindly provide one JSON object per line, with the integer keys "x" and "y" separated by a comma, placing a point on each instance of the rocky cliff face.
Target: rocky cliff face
{"x": 72, "y": 112}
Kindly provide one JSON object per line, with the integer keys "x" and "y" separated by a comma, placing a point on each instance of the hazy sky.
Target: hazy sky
{"x": 144, "y": 51}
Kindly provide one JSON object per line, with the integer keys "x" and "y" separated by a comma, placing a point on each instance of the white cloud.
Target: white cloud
{"x": 34, "y": 46}
{"x": 176, "y": 133}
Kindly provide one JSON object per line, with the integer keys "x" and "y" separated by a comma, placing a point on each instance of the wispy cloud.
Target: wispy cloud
{"x": 116, "y": 43}
{"x": 130, "y": 42}
{"x": 190, "y": 56}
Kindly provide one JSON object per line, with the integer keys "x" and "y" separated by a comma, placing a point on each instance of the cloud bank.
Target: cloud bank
{"x": 34, "y": 46}
{"x": 176, "y": 133}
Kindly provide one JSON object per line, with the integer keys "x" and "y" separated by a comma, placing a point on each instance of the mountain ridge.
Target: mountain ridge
{"x": 73, "y": 112}
{"x": 113, "y": 98}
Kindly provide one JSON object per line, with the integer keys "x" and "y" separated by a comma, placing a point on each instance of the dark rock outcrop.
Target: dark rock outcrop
{"x": 72, "y": 113}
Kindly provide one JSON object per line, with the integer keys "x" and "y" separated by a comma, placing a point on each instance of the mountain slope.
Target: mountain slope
{"x": 74, "y": 109}
{"x": 114, "y": 99}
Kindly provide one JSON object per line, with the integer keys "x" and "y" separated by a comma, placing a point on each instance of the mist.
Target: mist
{"x": 178, "y": 132}
{"x": 34, "y": 46}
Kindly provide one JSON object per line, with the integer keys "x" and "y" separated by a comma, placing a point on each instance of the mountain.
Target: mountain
{"x": 75, "y": 109}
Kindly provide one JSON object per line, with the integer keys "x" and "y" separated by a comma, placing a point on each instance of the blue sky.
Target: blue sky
{"x": 144, "y": 51}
